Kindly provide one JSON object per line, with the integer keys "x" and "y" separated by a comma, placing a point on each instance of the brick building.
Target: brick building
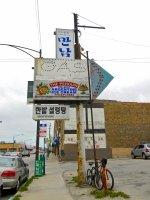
{"x": 122, "y": 125}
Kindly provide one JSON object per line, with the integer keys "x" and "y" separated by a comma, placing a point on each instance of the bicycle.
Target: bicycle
{"x": 97, "y": 176}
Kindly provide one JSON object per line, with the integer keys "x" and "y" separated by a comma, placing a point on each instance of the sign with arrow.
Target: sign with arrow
{"x": 100, "y": 78}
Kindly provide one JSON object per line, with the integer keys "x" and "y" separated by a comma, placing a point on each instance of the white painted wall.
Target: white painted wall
{"x": 99, "y": 123}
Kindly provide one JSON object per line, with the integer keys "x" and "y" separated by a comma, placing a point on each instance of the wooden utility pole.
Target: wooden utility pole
{"x": 79, "y": 117}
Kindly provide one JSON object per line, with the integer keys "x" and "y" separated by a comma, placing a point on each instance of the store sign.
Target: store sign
{"x": 64, "y": 43}
{"x": 61, "y": 79}
{"x": 50, "y": 112}
{"x": 30, "y": 92}
{"x": 43, "y": 130}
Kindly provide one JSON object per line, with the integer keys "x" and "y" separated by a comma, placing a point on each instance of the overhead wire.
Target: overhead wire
{"x": 117, "y": 40}
{"x": 38, "y": 23}
{"x": 89, "y": 20}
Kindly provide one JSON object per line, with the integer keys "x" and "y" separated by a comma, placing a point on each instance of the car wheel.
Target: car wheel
{"x": 17, "y": 186}
{"x": 1, "y": 190}
{"x": 144, "y": 156}
{"x": 132, "y": 155}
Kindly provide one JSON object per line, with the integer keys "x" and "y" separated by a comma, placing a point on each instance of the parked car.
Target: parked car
{"x": 13, "y": 171}
{"x": 141, "y": 150}
{"x": 13, "y": 153}
{"x": 1, "y": 186}
{"x": 26, "y": 153}
{"x": 32, "y": 152}
{"x": 1, "y": 153}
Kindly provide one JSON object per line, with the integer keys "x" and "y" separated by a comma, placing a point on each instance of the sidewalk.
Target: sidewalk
{"x": 49, "y": 186}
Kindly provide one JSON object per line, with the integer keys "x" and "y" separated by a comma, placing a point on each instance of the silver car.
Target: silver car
{"x": 141, "y": 150}
{"x": 13, "y": 171}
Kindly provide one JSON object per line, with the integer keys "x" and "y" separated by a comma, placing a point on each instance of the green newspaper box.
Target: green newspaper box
{"x": 38, "y": 168}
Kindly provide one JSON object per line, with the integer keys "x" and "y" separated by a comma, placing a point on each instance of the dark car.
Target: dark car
{"x": 26, "y": 153}
{"x": 141, "y": 150}
{"x": 13, "y": 172}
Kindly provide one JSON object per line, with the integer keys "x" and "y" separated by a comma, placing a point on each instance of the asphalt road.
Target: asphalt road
{"x": 131, "y": 176}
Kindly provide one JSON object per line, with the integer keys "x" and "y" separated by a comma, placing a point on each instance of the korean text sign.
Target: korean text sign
{"x": 64, "y": 43}
{"x": 50, "y": 112}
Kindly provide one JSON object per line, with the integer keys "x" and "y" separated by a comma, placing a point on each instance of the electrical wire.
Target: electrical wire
{"x": 89, "y": 20}
{"x": 117, "y": 40}
{"x": 16, "y": 60}
{"x": 38, "y": 23}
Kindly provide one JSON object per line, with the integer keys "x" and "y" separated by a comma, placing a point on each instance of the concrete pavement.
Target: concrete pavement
{"x": 49, "y": 186}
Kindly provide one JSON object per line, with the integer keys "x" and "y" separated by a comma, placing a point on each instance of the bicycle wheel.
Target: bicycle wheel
{"x": 110, "y": 179}
{"x": 98, "y": 180}
{"x": 89, "y": 177}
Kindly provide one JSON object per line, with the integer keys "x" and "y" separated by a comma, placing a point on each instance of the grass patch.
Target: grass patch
{"x": 99, "y": 194}
{"x": 75, "y": 179}
{"x": 28, "y": 182}
{"x": 17, "y": 197}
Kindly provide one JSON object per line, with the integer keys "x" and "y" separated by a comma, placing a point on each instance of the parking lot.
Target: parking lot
{"x": 132, "y": 176}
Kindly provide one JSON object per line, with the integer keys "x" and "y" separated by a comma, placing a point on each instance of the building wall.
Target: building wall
{"x": 126, "y": 123}
{"x": 99, "y": 127}
{"x": 5, "y": 147}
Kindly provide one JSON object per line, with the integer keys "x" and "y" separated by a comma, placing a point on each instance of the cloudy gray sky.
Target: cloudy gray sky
{"x": 122, "y": 49}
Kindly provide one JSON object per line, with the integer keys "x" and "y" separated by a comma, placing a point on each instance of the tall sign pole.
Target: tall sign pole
{"x": 37, "y": 129}
{"x": 79, "y": 117}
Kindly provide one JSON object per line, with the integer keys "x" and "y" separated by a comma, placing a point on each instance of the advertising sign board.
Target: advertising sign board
{"x": 50, "y": 112}
{"x": 64, "y": 43}
{"x": 59, "y": 79}
{"x": 30, "y": 92}
{"x": 43, "y": 130}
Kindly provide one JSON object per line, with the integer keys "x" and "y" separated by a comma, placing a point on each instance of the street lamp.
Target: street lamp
{"x": 14, "y": 138}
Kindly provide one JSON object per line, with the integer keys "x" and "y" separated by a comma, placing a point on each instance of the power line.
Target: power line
{"x": 121, "y": 61}
{"x": 89, "y": 20}
{"x": 38, "y": 23}
{"x": 16, "y": 60}
{"x": 117, "y": 40}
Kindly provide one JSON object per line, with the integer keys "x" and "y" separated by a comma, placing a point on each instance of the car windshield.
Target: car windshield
{"x": 7, "y": 162}
{"x": 25, "y": 151}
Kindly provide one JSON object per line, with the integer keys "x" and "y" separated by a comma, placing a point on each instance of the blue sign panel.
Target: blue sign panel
{"x": 100, "y": 78}
{"x": 43, "y": 125}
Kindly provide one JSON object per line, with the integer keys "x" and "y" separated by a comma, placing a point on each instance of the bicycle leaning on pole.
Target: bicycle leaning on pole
{"x": 100, "y": 176}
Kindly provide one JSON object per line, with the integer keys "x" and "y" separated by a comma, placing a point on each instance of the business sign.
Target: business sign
{"x": 50, "y": 112}
{"x": 43, "y": 130}
{"x": 64, "y": 43}
{"x": 100, "y": 78}
{"x": 30, "y": 92}
{"x": 61, "y": 79}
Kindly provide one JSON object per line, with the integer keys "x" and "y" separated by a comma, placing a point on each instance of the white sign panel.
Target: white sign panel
{"x": 64, "y": 43}
{"x": 61, "y": 79}
{"x": 60, "y": 68}
{"x": 43, "y": 130}
{"x": 50, "y": 112}
{"x": 100, "y": 140}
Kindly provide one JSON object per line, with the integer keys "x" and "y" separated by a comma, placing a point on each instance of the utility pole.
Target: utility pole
{"x": 37, "y": 129}
{"x": 79, "y": 109}
{"x": 79, "y": 117}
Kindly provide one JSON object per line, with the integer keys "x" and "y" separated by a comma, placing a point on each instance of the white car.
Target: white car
{"x": 1, "y": 186}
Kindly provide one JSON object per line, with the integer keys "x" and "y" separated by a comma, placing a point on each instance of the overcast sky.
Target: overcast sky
{"x": 122, "y": 49}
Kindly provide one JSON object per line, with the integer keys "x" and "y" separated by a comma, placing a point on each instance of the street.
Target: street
{"x": 131, "y": 176}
